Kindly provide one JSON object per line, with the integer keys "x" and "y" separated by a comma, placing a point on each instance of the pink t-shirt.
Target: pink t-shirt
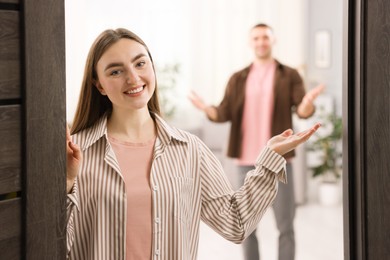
{"x": 135, "y": 161}
{"x": 258, "y": 110}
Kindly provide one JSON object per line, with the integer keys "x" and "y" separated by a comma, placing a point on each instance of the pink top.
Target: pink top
{"x": 258, "y": 109}
{"x": 135, "y": 161}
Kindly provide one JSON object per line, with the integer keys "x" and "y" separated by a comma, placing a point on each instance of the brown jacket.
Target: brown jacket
{"x": 288, "y": 93}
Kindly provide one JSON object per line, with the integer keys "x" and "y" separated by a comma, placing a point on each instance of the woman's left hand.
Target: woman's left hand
{"x": 288, "y": 141}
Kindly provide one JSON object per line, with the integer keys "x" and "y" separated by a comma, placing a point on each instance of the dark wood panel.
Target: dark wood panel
{"x": 10, "y": 219}
{"x": 377, "y": 116}
{"x": 45, "y": 114}
{"x": 10, "y": 149}
{"x": 9, "y": 1}
{"x": 11, "y": 229}
{"x": 9, "y": 55}
{"x": 11, "y": 248}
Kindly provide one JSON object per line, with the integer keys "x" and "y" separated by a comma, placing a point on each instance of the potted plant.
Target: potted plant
{"x": 326, "y": 144}
{"x": 167, "y": 88}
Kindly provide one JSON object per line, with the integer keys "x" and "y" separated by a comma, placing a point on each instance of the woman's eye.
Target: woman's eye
{"x": 141, "y": 64}
{"x": 115, "y": 72}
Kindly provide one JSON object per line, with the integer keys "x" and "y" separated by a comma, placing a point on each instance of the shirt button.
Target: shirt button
{"x": 157, "y": 220}
{"x": 155, "y": 187}
{"x": 157, "y": 252}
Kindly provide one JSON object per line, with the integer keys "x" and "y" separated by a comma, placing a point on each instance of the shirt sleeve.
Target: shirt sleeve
{"x": 298, "y": 91}
{"x": 274, "y": 162}
{"x": 72, "y": 203}
{"x": 235, "y": 214}
{"x": 223, "y": 114}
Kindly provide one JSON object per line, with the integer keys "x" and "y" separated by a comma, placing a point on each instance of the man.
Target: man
{"x": 259, "y": 101}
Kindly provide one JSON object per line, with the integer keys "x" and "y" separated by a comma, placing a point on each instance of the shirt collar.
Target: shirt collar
{"x": 93, "y": 133}
{"x": 278, "y": 65}
{"x": 165, "y": 132}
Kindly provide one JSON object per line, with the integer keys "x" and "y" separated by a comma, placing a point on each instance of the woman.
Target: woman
{"x": 137, "y": 187}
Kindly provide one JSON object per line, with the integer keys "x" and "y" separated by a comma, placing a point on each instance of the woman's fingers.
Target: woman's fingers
{"x": 286, "y": 141}
{"x": 305, "y": 135}
{"x": 287, "y": 133}
{"x": 73, "y": 149}
{"x": 74, "y": 158}
{"x": 76, "y": 152}
{"x": 68, "y": 138}
{"x": 311, "y": 130}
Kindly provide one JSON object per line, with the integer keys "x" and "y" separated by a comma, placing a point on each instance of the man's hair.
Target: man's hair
{"x": 262, "y": 25}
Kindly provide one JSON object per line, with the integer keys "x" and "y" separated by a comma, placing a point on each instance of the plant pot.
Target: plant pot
{"x": 329, "y": 194}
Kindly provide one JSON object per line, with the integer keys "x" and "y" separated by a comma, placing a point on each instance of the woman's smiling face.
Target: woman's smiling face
{"x": 126, "y": 75}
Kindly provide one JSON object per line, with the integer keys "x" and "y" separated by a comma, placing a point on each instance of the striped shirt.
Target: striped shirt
{"x": 188, "y": 184}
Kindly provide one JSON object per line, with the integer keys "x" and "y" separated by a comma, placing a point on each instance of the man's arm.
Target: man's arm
{"x": 210, "y": 111}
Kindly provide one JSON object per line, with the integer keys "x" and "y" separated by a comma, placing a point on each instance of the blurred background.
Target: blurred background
{"x": 197, "y": 45}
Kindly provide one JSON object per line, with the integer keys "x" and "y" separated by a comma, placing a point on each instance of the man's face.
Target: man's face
{"x": 261, "y": 41}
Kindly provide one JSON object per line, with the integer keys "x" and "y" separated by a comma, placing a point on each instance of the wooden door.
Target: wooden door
{"x": 32, "y": 123}
{"x": 366, "y": 108}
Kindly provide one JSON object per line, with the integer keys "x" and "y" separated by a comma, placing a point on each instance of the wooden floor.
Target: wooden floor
{"x": 319, "y": 236}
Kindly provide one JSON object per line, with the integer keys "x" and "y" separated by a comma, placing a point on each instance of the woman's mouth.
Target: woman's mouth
{"x": 134, "y": 90}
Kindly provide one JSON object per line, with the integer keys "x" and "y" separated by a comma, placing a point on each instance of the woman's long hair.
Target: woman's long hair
{"x": 92, "y": 104}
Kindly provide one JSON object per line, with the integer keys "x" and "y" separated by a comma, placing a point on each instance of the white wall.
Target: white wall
{"x": 161, "y": 24}
{"x": 208, "y": 39}
{"x": 326, "y": 15}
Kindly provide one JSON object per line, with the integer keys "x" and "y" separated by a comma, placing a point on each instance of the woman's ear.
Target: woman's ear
{"x": 99, "y": 87}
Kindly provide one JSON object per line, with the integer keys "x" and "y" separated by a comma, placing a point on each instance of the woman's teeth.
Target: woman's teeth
{"x": 134, "y": 91}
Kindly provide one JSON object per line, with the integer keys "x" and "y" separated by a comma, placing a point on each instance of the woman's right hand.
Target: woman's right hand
{"x": 73, "y": 158}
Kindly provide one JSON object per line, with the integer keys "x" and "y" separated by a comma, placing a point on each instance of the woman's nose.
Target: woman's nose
{"x": 132, "y": 77}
